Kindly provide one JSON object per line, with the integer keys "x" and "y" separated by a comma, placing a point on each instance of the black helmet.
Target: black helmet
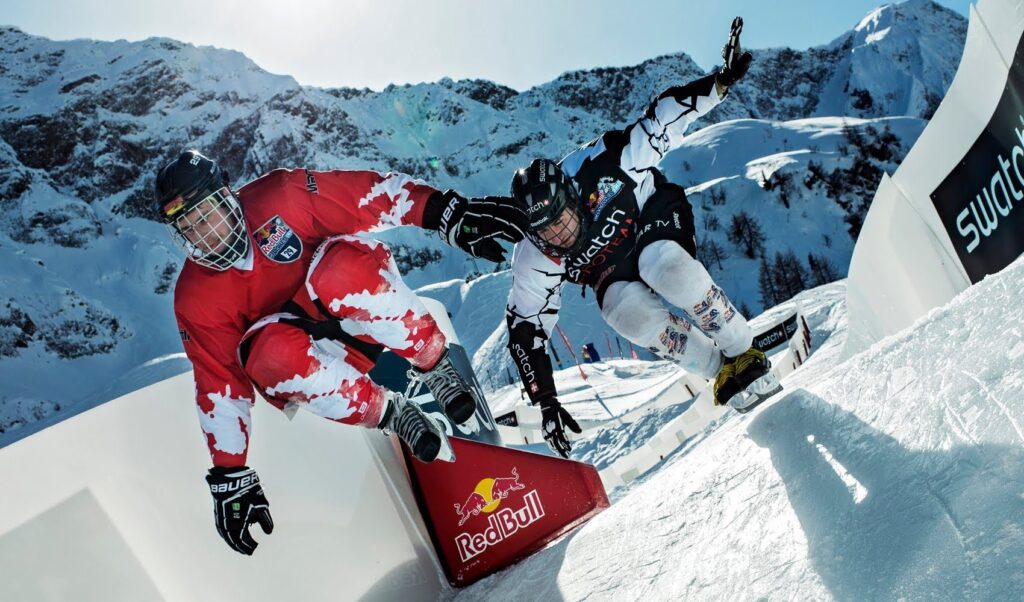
{"x": 190, "y": 178}
{"x": 544, "y": 192}
{"x": 215, "y": 235}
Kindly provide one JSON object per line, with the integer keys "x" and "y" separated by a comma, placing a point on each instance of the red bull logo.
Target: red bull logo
{"x": 501, "y": 524}
{"x": 277, "y": 241}
{"x": 487, "y": 496}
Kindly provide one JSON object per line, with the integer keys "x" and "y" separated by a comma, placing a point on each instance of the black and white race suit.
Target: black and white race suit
{"x": 640, "y": 244}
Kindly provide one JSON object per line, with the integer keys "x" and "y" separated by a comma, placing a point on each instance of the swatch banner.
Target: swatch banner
{"x": 776, "y": 335}
{"x": 981, "y": 202}
{"x": 509, "y": 419}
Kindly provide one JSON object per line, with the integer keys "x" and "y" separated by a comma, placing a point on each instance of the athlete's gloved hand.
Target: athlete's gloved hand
{"x": 554, "y": 418}
{"x": 735, "y": 61}
{"x": 238, "y": 502}
{"x": 475, "y": 225}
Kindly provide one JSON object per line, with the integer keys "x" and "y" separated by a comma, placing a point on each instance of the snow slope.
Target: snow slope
{"x": 897, "y": 474}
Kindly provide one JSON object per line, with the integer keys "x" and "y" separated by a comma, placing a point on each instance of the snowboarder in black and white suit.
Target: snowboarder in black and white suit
{"x": 605, "y": 217}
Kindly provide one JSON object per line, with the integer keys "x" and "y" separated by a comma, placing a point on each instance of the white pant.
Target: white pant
{"x": 634, "y": 310}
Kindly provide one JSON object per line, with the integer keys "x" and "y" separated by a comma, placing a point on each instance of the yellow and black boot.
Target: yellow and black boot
{"x": 738, "y": 372}
{"x": 725, "y": 382}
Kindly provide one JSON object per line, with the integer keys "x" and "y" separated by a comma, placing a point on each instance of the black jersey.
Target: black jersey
{"x": 615, "y": 175}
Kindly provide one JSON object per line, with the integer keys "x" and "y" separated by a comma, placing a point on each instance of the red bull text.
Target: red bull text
{"x": 501, "y": 525}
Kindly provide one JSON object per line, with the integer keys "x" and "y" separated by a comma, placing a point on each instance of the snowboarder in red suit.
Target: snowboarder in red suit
{"x": 285, "y": 290}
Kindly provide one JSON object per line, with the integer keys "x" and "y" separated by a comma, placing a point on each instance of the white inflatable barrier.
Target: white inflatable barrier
{"x": 112, "y": 504}
{"x": 951, "y": 213}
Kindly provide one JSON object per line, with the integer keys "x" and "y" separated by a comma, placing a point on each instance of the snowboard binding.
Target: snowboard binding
{"x": 756, "y": 393}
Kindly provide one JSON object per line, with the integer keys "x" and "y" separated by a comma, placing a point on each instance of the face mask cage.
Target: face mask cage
{"x": 212, "y": 233}
{"x": 551, "y": 237}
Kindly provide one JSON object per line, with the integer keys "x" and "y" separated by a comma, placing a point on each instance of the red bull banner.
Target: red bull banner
{"x": 495, "y": 506}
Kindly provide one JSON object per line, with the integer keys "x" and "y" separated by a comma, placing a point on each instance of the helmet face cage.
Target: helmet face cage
{"x": 212, "y": 232}
{"x": 545, "y": 193}
{"x": 550, "y": 236}
{"x": 566, "y": 227}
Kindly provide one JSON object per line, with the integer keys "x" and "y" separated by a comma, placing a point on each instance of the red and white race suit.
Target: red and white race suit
{"x": 307, "y": 245}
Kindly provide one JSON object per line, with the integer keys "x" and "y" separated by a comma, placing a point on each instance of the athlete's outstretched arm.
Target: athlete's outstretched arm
{"x": 354, "y": 202}
{"x": 665, "y": 121}
{"x": 663, "y": 124}
{"x": 531, "y": 314}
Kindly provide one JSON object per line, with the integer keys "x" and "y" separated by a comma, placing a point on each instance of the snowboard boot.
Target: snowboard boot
{"x": 424, "y": 436}
{"x": 452, "y": 391}
{"x": 738, "y": 373}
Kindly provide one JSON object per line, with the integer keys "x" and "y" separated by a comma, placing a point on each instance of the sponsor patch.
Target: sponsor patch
{"x": 311, "y": 183}
{"x": 607, "y": 189}
{"x": 504, "y": 523}
{"x": 277, "y": 241}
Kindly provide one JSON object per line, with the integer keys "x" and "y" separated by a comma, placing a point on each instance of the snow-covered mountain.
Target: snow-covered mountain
{"x": 84, "y": 295}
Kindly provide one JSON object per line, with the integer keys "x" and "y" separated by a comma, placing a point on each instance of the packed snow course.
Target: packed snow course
{"x": 895, "y": 474}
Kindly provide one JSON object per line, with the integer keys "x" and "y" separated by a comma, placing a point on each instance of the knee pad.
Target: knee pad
{"x": 685, "y": 283}
{"x": 346, "y": 266}
{"x": 634, "y": 311}
{"x": 273, "y": 351}
{"x": 323, "y": 376}
{"x": 673, "y": 273}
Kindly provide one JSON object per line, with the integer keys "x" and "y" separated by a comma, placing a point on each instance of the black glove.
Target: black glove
{"x": 238, "y": 502}
{"x": 475, "y": 225}
{"x": 736, "y": 62}
{"x": 553, "y": 420}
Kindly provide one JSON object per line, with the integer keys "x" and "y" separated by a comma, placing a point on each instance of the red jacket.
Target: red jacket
{"x": 288, "y": 213}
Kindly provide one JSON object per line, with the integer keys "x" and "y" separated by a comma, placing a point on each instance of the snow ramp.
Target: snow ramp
{"x": 111, "y": 504}
{"x": 954, "y": 210}
{"x": 897, "y": 474}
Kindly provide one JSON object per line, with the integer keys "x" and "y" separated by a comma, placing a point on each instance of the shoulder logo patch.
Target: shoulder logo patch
{"x": 607, "y": 189}
{"x": 277, "y": 241}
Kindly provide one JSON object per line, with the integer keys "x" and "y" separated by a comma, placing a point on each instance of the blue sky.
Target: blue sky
{"x": 520, "y": 43}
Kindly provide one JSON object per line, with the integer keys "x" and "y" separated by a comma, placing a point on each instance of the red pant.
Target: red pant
{"x": 354, "y": 280}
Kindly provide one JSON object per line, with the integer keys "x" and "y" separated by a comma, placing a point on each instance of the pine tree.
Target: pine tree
{"x": 822, "y": 270}
{"x": 709, "y": 251}
{"x": 790, "y": 275}
{"x": 745, "y": 233}
{"x": 766, "y": 284}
